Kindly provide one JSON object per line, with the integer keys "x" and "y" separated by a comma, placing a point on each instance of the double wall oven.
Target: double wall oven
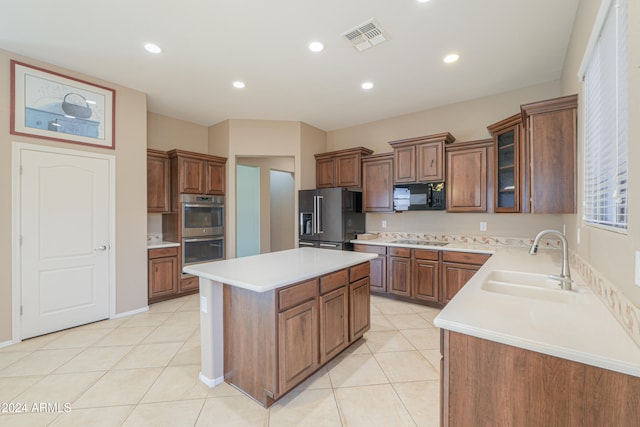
{"x": 202, "y": 228}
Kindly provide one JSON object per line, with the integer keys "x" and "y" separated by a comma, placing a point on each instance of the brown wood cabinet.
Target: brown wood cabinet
{"x": 158, "y": 181}
{"x": 550, "y": 141}
{"x": 378, "y": 266}
{"x": 276, "y": 339}
{"x": 468, "y": 186}
{"x": 420, "y": 159}
{"x": 400, "y": 271}
{"x": 508, "y": 174}
{"x": 195, "y": 173}
{"x": 163, "y": 273}
{"x": 377, "y": 183}
{"x": 341, "y": 168}
{"x": 426, "y": 275}
{"x": 502, "y": 385}
{"x": 457, "y": 269}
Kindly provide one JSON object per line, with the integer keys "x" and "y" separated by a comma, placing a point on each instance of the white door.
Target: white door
{"x": 64, "y": 226}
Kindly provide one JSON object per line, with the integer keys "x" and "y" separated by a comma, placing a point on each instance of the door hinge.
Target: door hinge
{"x": 21, "y": 240}
{"x": 20, "y": 169}
{"x": 20, "y": 310}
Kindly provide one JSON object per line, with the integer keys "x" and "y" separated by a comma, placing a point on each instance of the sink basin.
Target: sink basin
{"x": 528, "y": 285}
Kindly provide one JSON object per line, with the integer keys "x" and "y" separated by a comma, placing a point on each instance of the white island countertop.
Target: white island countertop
{"x": 583, "y": 331}
{"x": 265, "y": 272}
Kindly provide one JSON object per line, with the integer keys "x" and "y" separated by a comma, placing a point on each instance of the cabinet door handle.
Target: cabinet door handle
{"x": 101, "y": 248}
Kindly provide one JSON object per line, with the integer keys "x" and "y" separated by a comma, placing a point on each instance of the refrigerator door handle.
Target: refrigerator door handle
{"x": 319, "y": 219}
{"x": 314, "y": 216}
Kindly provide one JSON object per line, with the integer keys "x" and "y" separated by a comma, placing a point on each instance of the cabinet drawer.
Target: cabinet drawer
{"x": 163, "y": 252}
{"x": 370, "y": 249}
{"x": 403, "y": 252}
{"x": 425, "y": 254}
{"x": 297, "y": 294}
{"x": 189, "y": 284}
{"x": 465, "y": 257}
{"x": 359, "y": 271}
{"x": 333, "y": 281}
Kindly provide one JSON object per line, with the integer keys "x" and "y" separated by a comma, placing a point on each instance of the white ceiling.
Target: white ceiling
{"x": 503, "y": 44}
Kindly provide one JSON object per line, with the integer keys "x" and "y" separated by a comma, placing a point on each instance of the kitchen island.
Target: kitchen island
{"x": 269, "y": 321}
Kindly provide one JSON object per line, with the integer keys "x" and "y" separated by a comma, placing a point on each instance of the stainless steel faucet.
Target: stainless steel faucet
{"x": 565, "y": 276}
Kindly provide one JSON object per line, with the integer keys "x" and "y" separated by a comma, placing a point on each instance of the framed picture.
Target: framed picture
{"x": 50, "y": 105}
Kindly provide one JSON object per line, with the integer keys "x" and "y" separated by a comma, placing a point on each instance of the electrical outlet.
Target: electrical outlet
{"x": 483, "y": 226}
{"x": 638, "y": 268}
{"x": 203, "y": 304}
{"x": 384, "y": 223}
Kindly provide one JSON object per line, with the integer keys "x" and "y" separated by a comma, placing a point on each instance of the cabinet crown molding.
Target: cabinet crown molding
{"x": 469, "y": 144}
{"x": 445, "y": 137}
{"x": 514, "y": 120}
{"x": 363, "y": 151}
{"x": 194, "y": 155}
{"x": 562, "y": 103}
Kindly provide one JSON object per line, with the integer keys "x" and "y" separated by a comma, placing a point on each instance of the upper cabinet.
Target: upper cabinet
{"x": 507, "y": 136}
{"x": 195, "y": 173}
{"x": 158, "y": 181}
{"x": 377, "y": 183}
{"x": 420, "y": 159}
{"x": 468, "y": 185}
{"x": 535, "y": 158}
{"x": 550, "y": 140}
{"x": 340, "y": 168}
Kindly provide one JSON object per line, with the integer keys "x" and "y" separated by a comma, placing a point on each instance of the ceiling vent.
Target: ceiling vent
{"x": 366, "y": 35}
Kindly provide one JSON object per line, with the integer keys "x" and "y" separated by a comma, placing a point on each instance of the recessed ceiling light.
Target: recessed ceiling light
{"x": 152, "y": 47}
{"x": 238, "y": 85}
{"x": 422, "y": 1}
{"x": 367, "y": 85}
{"x": 316, "y": 47}
{"x": 451, "y": 58}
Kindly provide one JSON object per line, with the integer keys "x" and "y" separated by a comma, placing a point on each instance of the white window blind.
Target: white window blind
{"x": 606, "y": 118}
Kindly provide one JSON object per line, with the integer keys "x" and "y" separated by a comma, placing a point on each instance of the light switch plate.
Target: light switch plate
{"x": 638, "y": 268}
{"x": 384, "y": 223}
{"x": 483, "y": 226}
{"x": 203, "y": 304}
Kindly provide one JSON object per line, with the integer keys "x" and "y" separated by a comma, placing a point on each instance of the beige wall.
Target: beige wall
{"x": 166, "y": 133}
{"x": 608, "y": 252}
{"x": 131, "y": 201}
{"x": 467, "y": 121}
{"x": 312, "y": 141}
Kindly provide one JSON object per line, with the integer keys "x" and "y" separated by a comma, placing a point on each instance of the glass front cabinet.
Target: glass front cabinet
{"x": 507, "y": 136}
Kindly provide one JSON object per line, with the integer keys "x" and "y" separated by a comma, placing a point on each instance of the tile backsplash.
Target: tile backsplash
{"x": 470, "y": 239}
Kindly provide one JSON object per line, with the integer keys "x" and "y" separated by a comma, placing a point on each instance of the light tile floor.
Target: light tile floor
{"x": 143, "y": 371}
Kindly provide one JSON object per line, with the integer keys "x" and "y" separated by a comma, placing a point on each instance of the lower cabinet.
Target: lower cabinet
{"x": 275, "y": 340}
{"x": 429, "y": 276}
{"x": 457, "y": 269}
{"x": 163, "y": 273}
{"x": 502, "y": 385}
{"x": 378, "y": 266}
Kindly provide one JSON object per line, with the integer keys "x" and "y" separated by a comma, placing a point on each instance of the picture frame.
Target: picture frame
{"x": 53, "y": 106}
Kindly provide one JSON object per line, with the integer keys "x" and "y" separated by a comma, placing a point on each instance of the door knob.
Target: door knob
{"x": 101, "y": 248}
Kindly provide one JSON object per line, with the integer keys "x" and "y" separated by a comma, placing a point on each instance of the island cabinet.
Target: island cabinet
{"x": 274, "y": 340}
{"x": 195, "y": 173}
{"x": 158, "y": 182}
{"x": 493, "y": 384}
{"x": 468, "y": 186}
{"x": 420, "y": 159}
{"x": 457, "y": 269}
{"x": 378, "y": 267}
{"x": 163, "y": 274}
{"x": 340, "y": 168}
{"x": 377, "y": 183}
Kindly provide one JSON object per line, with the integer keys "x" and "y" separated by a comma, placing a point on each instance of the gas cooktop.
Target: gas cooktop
{"x": 420, "y": 242}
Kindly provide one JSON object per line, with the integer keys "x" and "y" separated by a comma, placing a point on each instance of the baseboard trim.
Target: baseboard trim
{"x": 7, "y": 343}
{"x": 210, "y": 382}
{"x": 131, "y": 313}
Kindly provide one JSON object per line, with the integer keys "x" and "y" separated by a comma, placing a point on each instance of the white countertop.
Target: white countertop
{"x": 584, "y": 331}
{"x": 273, "y": 270}
{"x": 161, "y": 244}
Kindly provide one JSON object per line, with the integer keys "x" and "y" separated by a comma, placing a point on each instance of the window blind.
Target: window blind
{"x": 606, "y": 123}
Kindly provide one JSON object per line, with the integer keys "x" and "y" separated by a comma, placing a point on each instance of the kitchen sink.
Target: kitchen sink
{"x": 528, "y": 285}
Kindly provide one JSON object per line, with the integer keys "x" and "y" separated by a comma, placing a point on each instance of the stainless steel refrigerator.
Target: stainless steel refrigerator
{"x": 330, "y": 217}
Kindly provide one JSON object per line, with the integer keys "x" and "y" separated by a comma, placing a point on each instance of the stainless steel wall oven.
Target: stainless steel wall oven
{"x": 202, "y": 228}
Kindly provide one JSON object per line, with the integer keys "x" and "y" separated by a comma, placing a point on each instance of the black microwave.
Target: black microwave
{"x": 419, "y": 197}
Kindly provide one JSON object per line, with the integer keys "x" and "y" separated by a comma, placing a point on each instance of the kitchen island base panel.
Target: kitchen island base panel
{"x": 211, "y": 332}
